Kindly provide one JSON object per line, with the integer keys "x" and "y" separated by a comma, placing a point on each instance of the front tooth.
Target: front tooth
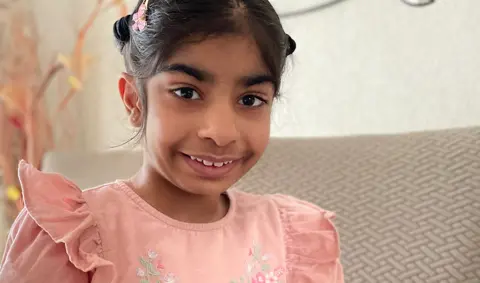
{"x": 218, "y": 164}
{"x": 207, "y": 163}
{"x": 199, "y": 160}
{"x": 193, "y": 158}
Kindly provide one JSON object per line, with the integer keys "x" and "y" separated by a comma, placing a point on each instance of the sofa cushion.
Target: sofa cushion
{"x": 408, "y": 205}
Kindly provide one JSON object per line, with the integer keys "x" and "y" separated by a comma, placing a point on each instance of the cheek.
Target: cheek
{"x": 165, "y": 125}
{"x": 257, "y": 132}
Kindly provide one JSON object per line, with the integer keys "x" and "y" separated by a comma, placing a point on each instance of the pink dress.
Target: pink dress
{"x": 109, "y": 234}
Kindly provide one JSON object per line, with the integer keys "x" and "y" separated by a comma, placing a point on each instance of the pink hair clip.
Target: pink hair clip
{"x": 139, "y": 18}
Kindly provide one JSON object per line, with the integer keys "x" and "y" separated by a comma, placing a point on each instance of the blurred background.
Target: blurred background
{"x": 361, "y": 67}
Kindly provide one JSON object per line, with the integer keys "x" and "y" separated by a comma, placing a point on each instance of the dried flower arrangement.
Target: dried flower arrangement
{"x": 27, "y": 125}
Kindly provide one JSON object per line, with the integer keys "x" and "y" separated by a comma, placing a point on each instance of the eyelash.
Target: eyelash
{"x": 184, "y": 88}
{"x": 263, "y": 101}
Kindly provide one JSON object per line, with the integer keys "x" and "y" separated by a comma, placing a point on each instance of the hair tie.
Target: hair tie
{"x": 292, "y": 45}
{"x": 140, "y": 17}
{"x": 121, "y": 28}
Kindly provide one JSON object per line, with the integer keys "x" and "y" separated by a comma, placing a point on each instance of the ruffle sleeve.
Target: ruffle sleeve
{"x": 55, "y": 237}
{"x": 312, "y": 242}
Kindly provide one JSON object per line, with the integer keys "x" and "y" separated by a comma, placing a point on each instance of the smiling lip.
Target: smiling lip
{"x": 210, "y": 167}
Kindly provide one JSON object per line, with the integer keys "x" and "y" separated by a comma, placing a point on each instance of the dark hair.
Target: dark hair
{"x": 171, "y": 23}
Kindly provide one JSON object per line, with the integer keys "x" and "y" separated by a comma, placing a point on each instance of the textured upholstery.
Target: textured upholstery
{"x": 408, "y": 206}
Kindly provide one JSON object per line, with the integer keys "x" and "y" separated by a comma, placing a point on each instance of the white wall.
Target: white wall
{"x": 376, "y": 66}
{"x": 363, "y": 66}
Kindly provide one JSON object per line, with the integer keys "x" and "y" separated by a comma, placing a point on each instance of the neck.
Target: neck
{"x": 176, "y": 203}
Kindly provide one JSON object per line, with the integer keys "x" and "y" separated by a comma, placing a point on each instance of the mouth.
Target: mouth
{"x": 210, "y": 163}
{"x": 211, "y": 167}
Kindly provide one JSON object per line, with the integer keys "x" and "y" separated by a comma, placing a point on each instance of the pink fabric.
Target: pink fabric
{"x": 109, "y": 234}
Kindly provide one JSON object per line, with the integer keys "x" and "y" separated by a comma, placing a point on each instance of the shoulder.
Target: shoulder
{"x": 311, "y": 239}
{"x": 55, "y": 203}
{"x": 45, "y": 192}
{"x": 289, "y": 207}
{"x": 56, "y": 223}
{"x": 298, "y": 216}
{"x": 105, "y": 196}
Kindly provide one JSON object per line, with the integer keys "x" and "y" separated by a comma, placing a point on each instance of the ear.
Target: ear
{"x": 130, "y": 98}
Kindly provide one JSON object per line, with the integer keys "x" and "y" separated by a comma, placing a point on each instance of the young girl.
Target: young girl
{"x": 201, "y": 77}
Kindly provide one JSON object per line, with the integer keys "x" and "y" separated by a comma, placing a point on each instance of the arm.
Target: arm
{"x": 31, "y": 255}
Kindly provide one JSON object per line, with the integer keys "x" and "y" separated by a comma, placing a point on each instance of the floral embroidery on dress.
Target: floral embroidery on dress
{"x": 258, "y": 269}
{"x": 153, "y": 271}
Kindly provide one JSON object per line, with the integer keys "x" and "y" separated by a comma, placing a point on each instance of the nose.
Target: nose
{"x": 219, "y": 125}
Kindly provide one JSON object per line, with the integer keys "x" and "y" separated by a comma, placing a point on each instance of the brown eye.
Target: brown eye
{"x": 251, "y": 101}
{"x": 186, "y": 93}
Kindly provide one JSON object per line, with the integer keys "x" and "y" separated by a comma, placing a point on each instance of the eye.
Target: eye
{"x": 186, "y": 93}
{"x": 252, "y": 101}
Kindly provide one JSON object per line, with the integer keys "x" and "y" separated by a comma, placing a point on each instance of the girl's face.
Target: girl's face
{"x": 208, "y": 119}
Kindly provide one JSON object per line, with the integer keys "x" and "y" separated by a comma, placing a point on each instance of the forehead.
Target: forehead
{"x": 223, "y": 56}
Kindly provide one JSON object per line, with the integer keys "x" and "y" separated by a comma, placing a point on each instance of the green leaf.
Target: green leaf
{"x": 265, "y": 267}
{"x": 256, "y": 250}
{"x": 144, "y": 262}
{"x": 152, "y": 270}
{"x": 144, "y": 281}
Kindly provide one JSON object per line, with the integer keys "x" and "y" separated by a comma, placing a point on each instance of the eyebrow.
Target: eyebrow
{"x": 202, "y": 75}
{"x": 258, "y": 79}
{"x": 191, "y": 71}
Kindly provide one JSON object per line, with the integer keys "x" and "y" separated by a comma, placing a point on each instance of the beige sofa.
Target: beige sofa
{"x": 408, "y": 205}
